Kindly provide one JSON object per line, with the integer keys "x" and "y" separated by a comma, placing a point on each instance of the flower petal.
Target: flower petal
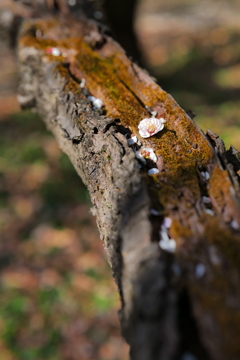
{"x": 140, "y": 157}
{"x": 169, "y": 246}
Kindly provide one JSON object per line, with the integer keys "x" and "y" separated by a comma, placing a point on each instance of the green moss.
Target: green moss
{"x": 102, "y": 302}
{"x": 219, "y": 189}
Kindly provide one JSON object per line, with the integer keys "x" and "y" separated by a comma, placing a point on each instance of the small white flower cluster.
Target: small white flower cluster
{"x": 97, "y": 103}
{"x": 146, "y": 153}
{"x": 147, "y": 128}
{"x": 165, "y": 242}
{"x": 143, "y": 154}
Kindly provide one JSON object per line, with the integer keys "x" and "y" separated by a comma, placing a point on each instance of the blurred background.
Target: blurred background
{"x": 58, "y": 300}
{"x": 193, "y": 49}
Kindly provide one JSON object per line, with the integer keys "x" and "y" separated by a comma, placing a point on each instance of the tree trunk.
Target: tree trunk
{"x": 172, "y": 238}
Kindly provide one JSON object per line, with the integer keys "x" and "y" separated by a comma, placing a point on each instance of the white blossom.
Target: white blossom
{"x": 150, "y": 127}
{"x": 146, "y": 153}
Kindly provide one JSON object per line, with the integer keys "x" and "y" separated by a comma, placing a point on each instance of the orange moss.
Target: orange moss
{"x": 40, "y": 44}
{"x": 181, "y": 233}
{"x": 114, "y": 80}
{"x": 223, "y": 238}
{"x": 219, "y": 184}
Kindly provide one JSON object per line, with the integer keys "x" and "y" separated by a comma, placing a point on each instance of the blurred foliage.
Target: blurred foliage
{"x": 193, "y": 49}
{"x": 57, "y": 299}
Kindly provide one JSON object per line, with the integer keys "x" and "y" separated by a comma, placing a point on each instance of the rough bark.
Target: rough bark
{"x": 171, "y": 303}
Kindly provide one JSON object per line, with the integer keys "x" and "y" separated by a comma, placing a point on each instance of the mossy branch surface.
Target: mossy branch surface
{"x": 192, "y": 167}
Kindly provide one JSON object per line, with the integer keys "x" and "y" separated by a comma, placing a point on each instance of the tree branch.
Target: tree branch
{"x": 173, "y": 300}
